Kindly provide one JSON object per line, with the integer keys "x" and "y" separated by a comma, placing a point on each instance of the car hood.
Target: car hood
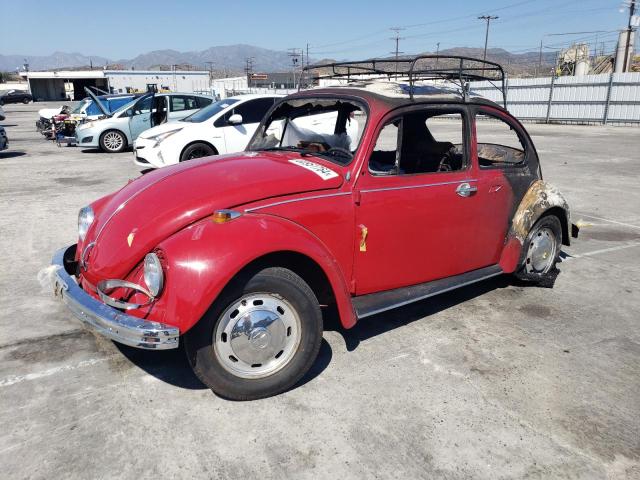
{"x": 164, "y": 127}
{"x": 49, "y": 112}
{"x": 134, "y": 220}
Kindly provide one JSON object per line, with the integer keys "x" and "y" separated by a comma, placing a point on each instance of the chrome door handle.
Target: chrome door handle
{"x": 466, "y": 190}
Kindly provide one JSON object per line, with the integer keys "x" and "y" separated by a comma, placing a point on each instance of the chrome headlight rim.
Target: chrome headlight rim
{"x": 153, "y": 273}
{"x": 86, "y": 216}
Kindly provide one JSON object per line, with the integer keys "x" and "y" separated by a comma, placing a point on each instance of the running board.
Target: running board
{"x": 373, "y": 303}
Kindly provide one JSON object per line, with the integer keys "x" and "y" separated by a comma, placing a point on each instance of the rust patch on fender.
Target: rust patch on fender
{"x": 539, "y": 198}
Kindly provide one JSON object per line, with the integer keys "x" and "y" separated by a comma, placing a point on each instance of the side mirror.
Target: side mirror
{"x": 130, "y": 113}
{"x": 235, "y": 119}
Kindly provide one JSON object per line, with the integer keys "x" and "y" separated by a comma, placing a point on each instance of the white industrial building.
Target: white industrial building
{"x": 69, "y": 84}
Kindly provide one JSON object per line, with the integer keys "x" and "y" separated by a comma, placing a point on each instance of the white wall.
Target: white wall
{"x": 580, "y": 99}
{"x": 138, "y": 80}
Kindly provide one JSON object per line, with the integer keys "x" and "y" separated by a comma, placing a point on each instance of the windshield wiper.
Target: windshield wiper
{"x": 302, "y": 151}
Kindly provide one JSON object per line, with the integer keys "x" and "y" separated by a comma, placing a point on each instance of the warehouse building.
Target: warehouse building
{"x": 69, "y": 84}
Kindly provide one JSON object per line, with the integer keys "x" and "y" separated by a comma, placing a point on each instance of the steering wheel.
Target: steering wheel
{"x": 341, "y": 150}
{"x": 445, "y": 162}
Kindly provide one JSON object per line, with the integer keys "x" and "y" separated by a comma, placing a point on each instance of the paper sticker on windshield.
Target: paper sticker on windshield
{"x": 323, "y": 172}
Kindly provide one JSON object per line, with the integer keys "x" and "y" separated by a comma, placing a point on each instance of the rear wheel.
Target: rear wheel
{"x": 113, "y": 141}
{"x": 197, "y": 150}
{"x": 25, "y": 100}
{"x": 542, "y": 250}
{"x": 259, "y": 338}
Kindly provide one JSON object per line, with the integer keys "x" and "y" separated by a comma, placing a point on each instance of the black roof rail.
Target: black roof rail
{"x": 457, "y": 69}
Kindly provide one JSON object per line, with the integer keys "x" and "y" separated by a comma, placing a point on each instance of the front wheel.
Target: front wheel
{"x": 542, "y": 250}
{"x": 197, "y": 150}
{"x": 259, "y": 337}
{"x": 113, "y": 141}
{"x": 25, "y": 100}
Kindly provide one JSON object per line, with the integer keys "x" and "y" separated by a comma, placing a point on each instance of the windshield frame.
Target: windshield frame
{"x": 358, "y": 101}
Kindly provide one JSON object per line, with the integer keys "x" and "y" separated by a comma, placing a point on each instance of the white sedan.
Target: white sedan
{"x": 223, "y": 127}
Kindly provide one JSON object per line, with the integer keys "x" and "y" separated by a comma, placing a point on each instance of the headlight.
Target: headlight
{"x": 85, "y": 219}
{"x": 162, "y": 136}
{"x": 153, "y": 276}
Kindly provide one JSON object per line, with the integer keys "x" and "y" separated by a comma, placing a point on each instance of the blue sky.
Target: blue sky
{"x": 336, "y": 29}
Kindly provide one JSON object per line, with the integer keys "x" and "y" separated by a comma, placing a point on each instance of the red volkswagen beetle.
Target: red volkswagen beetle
{"x": 365, "y": 197}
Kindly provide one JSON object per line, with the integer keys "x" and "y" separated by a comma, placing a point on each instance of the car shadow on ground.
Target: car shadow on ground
{"x": 11, "y": 154}
{"x": 399, "y": 317}
{"x": 97, "y": 150}
{"x": 172, "y": 367}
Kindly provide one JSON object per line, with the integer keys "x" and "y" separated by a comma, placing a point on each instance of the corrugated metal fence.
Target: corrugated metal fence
{"x": 605, "y": 98}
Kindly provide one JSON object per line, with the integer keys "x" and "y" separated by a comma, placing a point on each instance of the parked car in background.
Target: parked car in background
{"x": 15, "y": 96}
{"x": 4, "y": 141}
{"x": 119, "y": 129}
{"x": 222, "y": 127}
{"x": 86, "y": 109}
{"x": 236, "y": 257}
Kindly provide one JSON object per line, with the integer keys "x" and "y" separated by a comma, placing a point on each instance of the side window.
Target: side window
{"x": 424, "y": 141}
{"x": 178, "y": 103}
{"x": 383, "y": 159}
{"x": 499, "y": 144}
{"x": 143, "y": 106}
{"x": 253, "y": 110}
{"x": 203, "y": 102}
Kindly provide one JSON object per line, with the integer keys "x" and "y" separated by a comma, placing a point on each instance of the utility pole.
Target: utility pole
{"x": 488, "y": 19}
{"x": 539, "y": 67}
{"x": 248, "y": 69}
{"x": 627, "y": 58}
{"x": 437, "y": 52}
{"x": 210, "y": 64}
{"x": 397, "y": 39}
{"x": 294, "y": 54}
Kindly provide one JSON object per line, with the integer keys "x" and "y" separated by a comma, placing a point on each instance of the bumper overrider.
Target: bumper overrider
{"x": 103, "y": 319}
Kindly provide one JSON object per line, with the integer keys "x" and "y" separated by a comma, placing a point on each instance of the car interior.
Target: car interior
{"x": 407, "y": 145}
{"x": 316, "y": 125}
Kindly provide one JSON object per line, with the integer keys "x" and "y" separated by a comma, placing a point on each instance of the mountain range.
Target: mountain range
{"x": 232, "y": 59}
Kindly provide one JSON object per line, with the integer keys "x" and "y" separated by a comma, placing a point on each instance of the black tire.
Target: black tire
{"x": 25, "y": 100}
{"x": 197, "y": 150}
{"x": 109, "y": 144}
{"x": 529, "y": 270}
{"x": 200, "y": 345}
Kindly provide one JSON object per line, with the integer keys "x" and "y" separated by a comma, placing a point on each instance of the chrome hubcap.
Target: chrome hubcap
{"x": 257, "y": 335}
{"x": 541, "y": 252}
{"x": 112, "y": 141}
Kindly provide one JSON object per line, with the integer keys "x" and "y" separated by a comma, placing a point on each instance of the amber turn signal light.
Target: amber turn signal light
{"x": 223, "y": 216}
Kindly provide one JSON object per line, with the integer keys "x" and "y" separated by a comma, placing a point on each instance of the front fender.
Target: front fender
{"x": 201, "y": 260}
{"x": 539, "y": 198}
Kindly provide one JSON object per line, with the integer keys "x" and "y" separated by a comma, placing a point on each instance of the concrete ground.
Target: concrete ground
{"x": 496, "y": 380}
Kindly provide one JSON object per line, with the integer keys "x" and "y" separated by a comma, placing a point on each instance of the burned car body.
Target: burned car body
{"x": 416, "y": 202}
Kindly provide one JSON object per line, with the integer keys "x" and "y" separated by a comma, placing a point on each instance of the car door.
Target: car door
{"x": 140, "y": 116}
{"x": 237, "y": 136}
{"x": 417, "y": 212}
{"x": 507, "y": 164}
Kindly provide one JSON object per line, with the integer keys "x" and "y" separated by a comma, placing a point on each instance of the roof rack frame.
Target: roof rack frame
{"x": 460, "y": 75}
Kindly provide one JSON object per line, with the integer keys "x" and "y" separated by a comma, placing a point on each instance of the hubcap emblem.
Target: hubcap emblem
{"x": 260, "y": 338}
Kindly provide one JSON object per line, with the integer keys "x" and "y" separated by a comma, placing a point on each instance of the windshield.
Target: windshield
{"x": 125, "y": 107}
{"x": 210, "y": 110}
{"x": 78, "y": 108}
{"x": 330, "y": 128}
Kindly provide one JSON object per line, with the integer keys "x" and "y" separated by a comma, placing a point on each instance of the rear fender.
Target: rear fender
{"x": 201, "y": 260}
{"x": 540, "y": 198}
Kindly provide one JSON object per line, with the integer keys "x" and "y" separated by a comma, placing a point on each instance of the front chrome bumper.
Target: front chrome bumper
{"x": 105, "y": 320}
